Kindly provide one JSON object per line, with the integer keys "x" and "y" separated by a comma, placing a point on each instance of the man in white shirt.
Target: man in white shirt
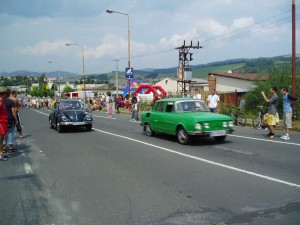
{"x": 213, "y": 101}
{"x": 197, "y": 95}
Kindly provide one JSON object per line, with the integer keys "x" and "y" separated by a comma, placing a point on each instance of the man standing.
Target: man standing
{"x": 272, "y": 110}
{"x": 287, "y": 112}
{"x": 213, "y": 101}
{"x": 12, "y": 120}
{"x": 197, "y": 95}
{"x": 14, "y": 97}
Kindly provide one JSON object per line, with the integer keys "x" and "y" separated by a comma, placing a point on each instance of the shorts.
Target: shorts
{"x": 271, "y": 120}
{"x": 3, "y": 128}
{"x": 287, "y": 119}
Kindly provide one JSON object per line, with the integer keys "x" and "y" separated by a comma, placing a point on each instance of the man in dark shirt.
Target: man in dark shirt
{"x": 12, "y": 119}
{"x": 272, "y": 110}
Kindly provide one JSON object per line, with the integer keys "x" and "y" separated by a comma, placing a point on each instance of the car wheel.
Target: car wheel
{"x": 58, "y": 128}
{"x": 89, "y": 127}
{"x": 51, "y": 124}
{"x": 220, "y": 138}
{"x": 149, "y": 132}
{"x": 182, "y": 136}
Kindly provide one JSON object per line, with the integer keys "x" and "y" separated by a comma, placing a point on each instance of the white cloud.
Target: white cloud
{"x": 177, "y": 39}
{"x": 242, "y": 22}
{"x": 42, "y": 48}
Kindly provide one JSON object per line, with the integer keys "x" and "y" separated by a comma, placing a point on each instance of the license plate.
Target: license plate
{"x": 218, "y": 133}
{"x": 78, "y": 123}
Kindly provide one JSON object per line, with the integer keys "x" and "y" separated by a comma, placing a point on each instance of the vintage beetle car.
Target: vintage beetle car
{"x": 69, "y": 113}
{"x": 185, "y": 117}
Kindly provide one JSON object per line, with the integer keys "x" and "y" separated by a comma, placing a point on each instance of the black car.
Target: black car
{"x": 69, "y": 113}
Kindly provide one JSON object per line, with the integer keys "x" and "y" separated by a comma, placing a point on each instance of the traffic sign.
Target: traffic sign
{"x": 129, "y": 73}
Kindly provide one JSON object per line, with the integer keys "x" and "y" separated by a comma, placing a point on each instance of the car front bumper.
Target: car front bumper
{"x": 211, "y": 133}
{"x": 82, "y": 123}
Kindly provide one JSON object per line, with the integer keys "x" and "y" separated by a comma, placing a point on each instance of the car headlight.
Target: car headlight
{"x": 225, "y": 124}
{"x": 64, "y": 118}
{"x": 230, "y": 124}
{"x": 198, "y": 126}
{"x": 88, "y": 117}
{"x": 206, "y": 125}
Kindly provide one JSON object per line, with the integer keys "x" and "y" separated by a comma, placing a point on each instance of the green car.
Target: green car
{"x": 185, "y": 117}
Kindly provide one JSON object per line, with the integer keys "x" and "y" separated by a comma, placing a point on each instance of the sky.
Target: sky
{"x": 34, "y": 32}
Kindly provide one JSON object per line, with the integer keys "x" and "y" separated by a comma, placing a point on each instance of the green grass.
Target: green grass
{"x": 203, "y": 72}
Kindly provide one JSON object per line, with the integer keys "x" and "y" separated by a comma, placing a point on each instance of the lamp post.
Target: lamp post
{"x": 58, "y": 75}
{"x": 117, "y": 76}
{"x": 83, "y": 71}
{"x": 125, "y": 14}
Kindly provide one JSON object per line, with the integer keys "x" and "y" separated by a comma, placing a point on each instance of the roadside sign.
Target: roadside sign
{"x": 129, "y": 73}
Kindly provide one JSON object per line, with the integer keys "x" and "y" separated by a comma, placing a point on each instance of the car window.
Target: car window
{"x": 190, "y": 106}
{"x": 160, "y": 107}
{"x": 170, "y": 107}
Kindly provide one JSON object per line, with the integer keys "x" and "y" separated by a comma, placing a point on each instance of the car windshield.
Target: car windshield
{"x": 191, "y": 106}
{"x": 70, "y": 105}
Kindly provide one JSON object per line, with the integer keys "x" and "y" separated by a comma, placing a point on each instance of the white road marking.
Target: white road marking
{"x": 41, "y": 112}
{"x": 27, "y": 168}
{"x": 266, "y": 140}
{"x": 208, "y": 161}
{"x": 204, "y": 160}
{"x": 106, "y": 117}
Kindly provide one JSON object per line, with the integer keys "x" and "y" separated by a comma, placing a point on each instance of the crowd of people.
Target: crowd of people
{"x": 9, "y": 120}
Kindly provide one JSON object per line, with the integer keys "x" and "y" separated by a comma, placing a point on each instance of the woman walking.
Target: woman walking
{"x": 3, "y": 122}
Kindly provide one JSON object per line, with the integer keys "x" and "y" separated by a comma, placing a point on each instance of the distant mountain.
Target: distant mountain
{"x": 241, "y": 65}
{"x": 36, "y": 74}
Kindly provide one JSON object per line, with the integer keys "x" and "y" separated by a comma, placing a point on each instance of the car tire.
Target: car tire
{"x": 220, "y": 138}
{"x": 149, "y": 132}
{"x": 182, "y": 136}
{"x": 59, "y": 128}
{"x": 51, "y": 124}
{"x": 89, "y": 127}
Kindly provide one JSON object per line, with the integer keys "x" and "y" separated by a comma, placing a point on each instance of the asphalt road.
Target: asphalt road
{"x": 117, "y": 175}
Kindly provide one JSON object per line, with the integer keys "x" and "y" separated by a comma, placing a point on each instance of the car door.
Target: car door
{"x": 55, "y": 112}
{"x": 168, "y": 121}
{"x": 157, "y": 116}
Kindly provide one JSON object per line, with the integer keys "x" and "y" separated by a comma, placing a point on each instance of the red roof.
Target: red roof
{"x": 243, "y": 76}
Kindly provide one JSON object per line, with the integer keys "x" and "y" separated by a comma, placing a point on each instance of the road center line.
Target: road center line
{"x": 266, "y": 140}
{"x": 111, "y": 118}
{"x": 204, "y": 160}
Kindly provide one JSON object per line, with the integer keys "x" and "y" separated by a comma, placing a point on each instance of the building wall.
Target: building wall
{"x": 227, "y": 84}
{"x": 169, "y": 84}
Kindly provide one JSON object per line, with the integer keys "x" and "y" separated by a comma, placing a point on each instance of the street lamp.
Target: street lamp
{"x": 58, "y": 75}
{"x": 125, "y": 14}
{"x": 83, "y": 71}
{"x": 117, "y": 76}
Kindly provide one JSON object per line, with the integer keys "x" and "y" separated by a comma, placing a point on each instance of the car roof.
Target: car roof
{"x": 177, "y": 99}
{"x": 68, "y": 100}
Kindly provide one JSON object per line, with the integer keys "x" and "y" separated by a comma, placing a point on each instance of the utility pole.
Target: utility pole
{"x": 294, "y": 79}
{"x": 117, "y": 76}
{"x": 184, "y": 73}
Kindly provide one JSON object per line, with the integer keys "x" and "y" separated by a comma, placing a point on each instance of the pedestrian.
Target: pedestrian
{"x": 272, "y": 110}
{"x": 14, "y": 97}
{"x": 12, "y": 120}
{"x": 186, "y": 94}
{"x": 213, "y": 101}
{"x": 134, "y": 114}
{"x": 3, "y": 123}
{"x": 287, "y": 112}
{"x": 197, "y": 95}
{"x": 110, "y": 108}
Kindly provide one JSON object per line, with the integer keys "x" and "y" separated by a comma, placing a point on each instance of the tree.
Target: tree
{"x": 67, "y": 89}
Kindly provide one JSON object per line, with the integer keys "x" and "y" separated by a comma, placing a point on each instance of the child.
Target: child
{"x": 110, "y": 108}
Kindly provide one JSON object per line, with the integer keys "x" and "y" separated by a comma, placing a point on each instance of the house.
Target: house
{"x": 233, "y": 82}
{"x": 170, "y": 85}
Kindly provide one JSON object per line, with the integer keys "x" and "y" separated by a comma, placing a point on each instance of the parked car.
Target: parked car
{"x": 185, "y": 118}
{"x": 69, "y": 113}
